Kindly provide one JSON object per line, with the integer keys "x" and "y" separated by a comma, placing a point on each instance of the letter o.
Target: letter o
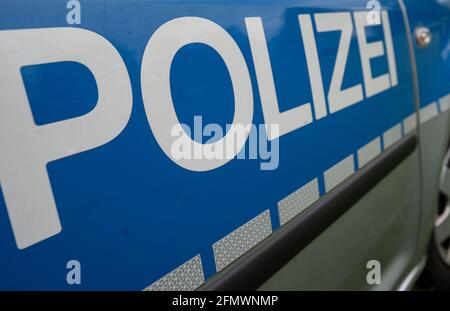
{"x": 155, "y": 83}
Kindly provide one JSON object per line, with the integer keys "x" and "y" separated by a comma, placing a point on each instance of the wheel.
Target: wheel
{"x": 438, "y": 264}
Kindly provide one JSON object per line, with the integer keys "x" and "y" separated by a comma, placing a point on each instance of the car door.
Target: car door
{"x": 114, "y": 174}
{"x": 433, "y": 71}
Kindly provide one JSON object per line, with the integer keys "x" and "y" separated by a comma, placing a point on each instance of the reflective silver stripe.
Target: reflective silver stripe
{"x": 392, "y": 135}
{"x": 369, "y": 152}
{"x": 337, "y": 173}
{"x": 186, "y": 277}
{"x": 444, "y": 103}
{"x": 241, "y": 240}
{"x": 298, "y": 201}
{"x": 428, "y": 112}
{"x": 409, "y": 123}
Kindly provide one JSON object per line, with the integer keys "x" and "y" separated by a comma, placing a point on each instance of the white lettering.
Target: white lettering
{"x": 27, "y": 148}
{"x": 156, "y": 93}
{"x": 289, "y": 120}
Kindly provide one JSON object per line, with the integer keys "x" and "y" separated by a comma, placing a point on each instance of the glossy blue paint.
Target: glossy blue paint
{"x": 59, "y": 91}
{"x": 433, "y": 63}
{"x": 129, "y": 214}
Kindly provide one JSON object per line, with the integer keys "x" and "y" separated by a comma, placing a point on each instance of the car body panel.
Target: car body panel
{"x": 373, "y": 229}
{"x": 433, "y": 70}
{"x": 131, "y": 216}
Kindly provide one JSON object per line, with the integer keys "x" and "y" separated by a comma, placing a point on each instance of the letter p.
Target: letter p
{"x": 26, "y": 148}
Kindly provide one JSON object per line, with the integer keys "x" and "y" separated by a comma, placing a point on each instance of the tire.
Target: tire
{"x": 437, "y": 270}
{"x": 438, "y": 262}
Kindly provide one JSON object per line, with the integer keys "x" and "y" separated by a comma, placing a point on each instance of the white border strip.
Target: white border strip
{"x": 410, "y": 123}
{"x": 187, "y": 277}
{"x": 298, "y": 201}
{"x": 241, "y": 240}
{"x": 339, "y": 172}
{"x": 392, "y": 135}
{"x": 444, "y": 103}
{"x": 428, "y": 112}
{"x": 369, "y": 152}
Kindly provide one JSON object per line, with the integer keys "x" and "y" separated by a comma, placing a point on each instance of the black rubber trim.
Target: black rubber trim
{"x": 251, "y": 270}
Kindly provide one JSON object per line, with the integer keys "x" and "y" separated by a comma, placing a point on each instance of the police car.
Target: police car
{"x": 224, "y": 145}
